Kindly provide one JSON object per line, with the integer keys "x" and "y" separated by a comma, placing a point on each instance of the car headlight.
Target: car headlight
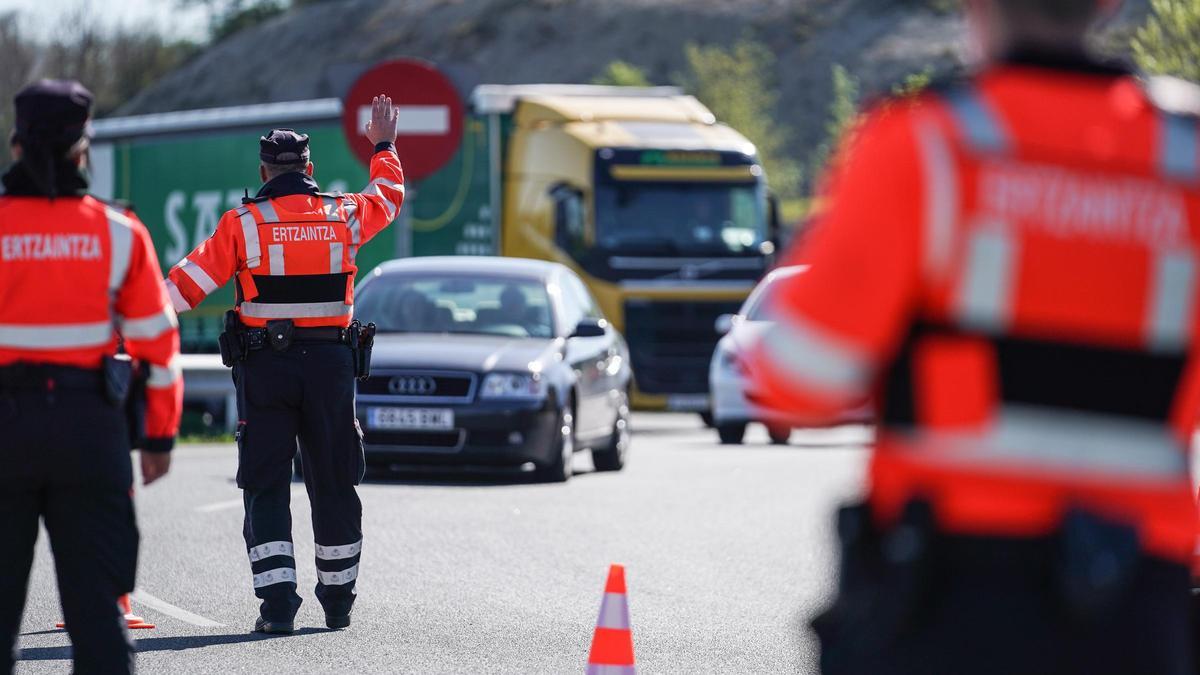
{"x": 730, "y": 363}
{"x": 513, "y": 385}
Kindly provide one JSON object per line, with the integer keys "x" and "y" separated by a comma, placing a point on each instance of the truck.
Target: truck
{"x": 664, "y": 212}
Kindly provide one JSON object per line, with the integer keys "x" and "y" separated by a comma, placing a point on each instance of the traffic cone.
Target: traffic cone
{"x": 612, "y": 643}
{"x": 132, "y": 621}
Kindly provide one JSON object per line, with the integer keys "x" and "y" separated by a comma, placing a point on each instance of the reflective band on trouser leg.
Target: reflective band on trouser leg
{"x": 269, "y": 549}
{"x": 120, "y": 234}
{"x": 1169, "y": 323}
{"x": 55, "y": 336}
{"x": 267, "y": 211}
{"x": 336, "y": 253}
{"x": 278, "y": 575}
{"x": 941, "y": 196}
{"x": 275, "y": 256}
{"x": 815, "y": 358}
{"x": 250, "y": 234}
{"x": 198, "y": 275}
{"x": 977, "y": 120}
{"x": 339, "y": 552}
{"x": 338, "y": 578}
{"x": 1067, "y": 442}
{"x": 1179, "y": 148}
{"x": 149, "y": 327}
{"x": 614, "y": 612}
{"x": 985, "y": 292}
{"x": 161, "y": 377}
{"x": 296, "y": 310}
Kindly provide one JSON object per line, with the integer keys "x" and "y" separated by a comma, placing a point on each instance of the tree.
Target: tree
{"x": 843, "y": 111}
{"x": 1169, "y": 42}
{"x": 737, "y": 84}
{"x": 622, "y": 74}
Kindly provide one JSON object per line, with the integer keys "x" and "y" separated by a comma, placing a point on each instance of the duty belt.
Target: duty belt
{"x": 260, "y": 338}
{"x": 43, "y": 377}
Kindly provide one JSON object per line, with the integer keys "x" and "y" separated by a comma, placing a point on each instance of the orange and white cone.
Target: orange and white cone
{"x": 132, "y": 621}
{"x": 612, "y": 643}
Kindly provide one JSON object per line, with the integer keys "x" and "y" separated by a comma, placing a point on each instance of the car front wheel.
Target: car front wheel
{"x": 611, "y": 457}
{"x": 560, "y": 469}
{"x": 731, "y": 433}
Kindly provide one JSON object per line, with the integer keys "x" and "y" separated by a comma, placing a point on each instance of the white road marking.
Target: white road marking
{"x": 167, "y": 608}
{"x": 218, "y": 506}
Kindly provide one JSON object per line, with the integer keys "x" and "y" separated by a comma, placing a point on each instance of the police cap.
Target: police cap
{"x": 53, "y": 111}
{"x": 283, "y": 146}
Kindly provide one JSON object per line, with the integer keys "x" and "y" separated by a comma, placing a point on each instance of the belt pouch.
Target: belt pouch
{"x": 118, "y": 378}
{"x": 279, "y": 334}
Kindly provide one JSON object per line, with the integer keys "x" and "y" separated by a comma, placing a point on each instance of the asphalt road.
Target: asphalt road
{"x": 728, "y": 553}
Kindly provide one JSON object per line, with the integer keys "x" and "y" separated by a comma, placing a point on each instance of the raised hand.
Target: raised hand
{"x": 382, "y": 126}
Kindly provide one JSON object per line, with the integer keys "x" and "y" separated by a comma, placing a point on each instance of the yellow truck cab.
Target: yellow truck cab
{"x": 662, "y": 210}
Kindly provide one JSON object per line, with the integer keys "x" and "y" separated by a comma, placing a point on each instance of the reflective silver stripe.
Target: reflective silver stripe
{"x": 1179, "y": 148}
{"x": 353, "y": 253}
{"x": 941, "y": 197}
{"x": 275, "y": 255}
{"x": 149, "y": 327}
{"x": 278, "y": 575}
{"x": 198, "y": 275}
{"x": 331, "y": 208}
{"x": 977, "y": 120}
{"x": 984, "y": 301}
{"x": 339, "y": 552}
{"x": 815, "y": 358}
{"x": 56, "y": 336}
{"x": 1169, "y": 323}
{"x": 614, "y": 611}
{"x": 1071, "y": 442}
{"x": 338, "y": 578}
{"x": 163, "y": 377}
{"x": 373, "y": 187}
{"x": 355, "y": 230}
{"x": 267, "y": 211}
{"x": 295, "y": 310}
{"x": 336, "y": 253}
{"x": 250, "y": 234}
{"x": 604, "y": 669}
{"x": 120, "y": 234}
{"x": 271, "y": 548}
{"x": 177, "y": 300}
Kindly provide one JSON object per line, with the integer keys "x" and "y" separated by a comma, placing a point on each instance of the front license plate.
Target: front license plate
{"x": 425, "y": 419}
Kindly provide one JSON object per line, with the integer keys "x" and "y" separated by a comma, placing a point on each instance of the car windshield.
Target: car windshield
{"x": 680, "y": 218}
{"x": 459, "y": 304}
{"x": 758, "y": 305}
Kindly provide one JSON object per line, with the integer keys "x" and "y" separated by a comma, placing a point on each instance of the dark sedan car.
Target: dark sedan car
{"x": 490, "y": 363}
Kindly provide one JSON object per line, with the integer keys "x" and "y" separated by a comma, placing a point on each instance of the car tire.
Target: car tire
{"x": 780, "y": 435}
{"x": 707, "y": 418}
{"x": 731, "y": 433}
{"x": 560, "y": 469}
{"x": 611, "y": 456}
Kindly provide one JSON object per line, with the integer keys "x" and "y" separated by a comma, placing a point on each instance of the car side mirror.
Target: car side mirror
{"x": 589, "y": 328}
{"x": 725, "y": 323}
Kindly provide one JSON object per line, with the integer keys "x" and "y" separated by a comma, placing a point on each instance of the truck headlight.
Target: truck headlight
{"x": 513, "y": 385}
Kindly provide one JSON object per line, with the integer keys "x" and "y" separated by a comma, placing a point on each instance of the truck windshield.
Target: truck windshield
{"x": 716, "y": 219}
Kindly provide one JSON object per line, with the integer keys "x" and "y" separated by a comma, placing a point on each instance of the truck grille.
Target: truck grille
{"x": 415, "y": 386}
{"x": 671, "y": 343}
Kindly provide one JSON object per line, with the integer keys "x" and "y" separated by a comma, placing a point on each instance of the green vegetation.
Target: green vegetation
{"x": 622, "y": 74}
{"x": 843, "y": 111}
{"x": 737, "y": 84}
{"x": 913, "y": 83}
{"x": 1169, "y": 42}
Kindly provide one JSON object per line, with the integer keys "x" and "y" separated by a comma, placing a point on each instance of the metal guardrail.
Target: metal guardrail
{"x": 205, "y": 378}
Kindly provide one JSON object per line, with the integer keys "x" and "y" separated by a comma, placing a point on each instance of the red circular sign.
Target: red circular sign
{"x": 430, "y": 114}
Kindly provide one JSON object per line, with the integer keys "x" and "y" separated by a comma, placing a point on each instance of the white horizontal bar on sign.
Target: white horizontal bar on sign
{"x": 414, "y": 120}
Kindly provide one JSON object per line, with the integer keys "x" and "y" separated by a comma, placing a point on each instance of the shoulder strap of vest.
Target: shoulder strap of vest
{"x": 978, "y": 122}
{"x": 1178, "y": 102}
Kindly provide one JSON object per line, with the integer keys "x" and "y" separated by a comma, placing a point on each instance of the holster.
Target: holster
{"x": 135, "y": 407}
{"x": 230, "y": 340}
{"x": 118, "y": 378}
{"x": 362, "y": 340}
{"x": 1098, "y": 560}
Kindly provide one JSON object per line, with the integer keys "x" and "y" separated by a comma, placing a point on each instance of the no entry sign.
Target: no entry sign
{"x": 429, "y": 109}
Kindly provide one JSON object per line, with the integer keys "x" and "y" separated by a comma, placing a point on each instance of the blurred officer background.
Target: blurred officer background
{"x": 295, "y": 355}
{"x": 1009, "y": 263}
{"x": 77, "y": 278}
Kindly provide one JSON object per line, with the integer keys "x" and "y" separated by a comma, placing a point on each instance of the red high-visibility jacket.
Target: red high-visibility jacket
{"x": 293, "y": 256}
{"x": 74, "y": 274}
{"x": 1010, "y": 266}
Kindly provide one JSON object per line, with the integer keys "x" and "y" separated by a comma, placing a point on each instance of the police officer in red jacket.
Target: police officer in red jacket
{"x": 291, "y": 251}
{"x": 1011, "y": 264}
{"x": 78, "y": 277}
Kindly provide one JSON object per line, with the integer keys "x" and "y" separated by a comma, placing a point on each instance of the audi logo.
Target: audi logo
{"x": 412, "y": 385}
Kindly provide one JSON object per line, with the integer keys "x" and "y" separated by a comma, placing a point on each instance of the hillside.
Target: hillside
{"x": 316, "y": 51}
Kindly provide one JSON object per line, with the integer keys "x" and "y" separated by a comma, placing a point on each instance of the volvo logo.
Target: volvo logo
{"x": 412, "y": 385}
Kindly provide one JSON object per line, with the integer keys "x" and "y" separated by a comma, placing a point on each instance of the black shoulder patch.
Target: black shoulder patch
{"x": 335, "y": 195}
{"x": 115, "y": 203}
{"x": 254, "y": 200}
